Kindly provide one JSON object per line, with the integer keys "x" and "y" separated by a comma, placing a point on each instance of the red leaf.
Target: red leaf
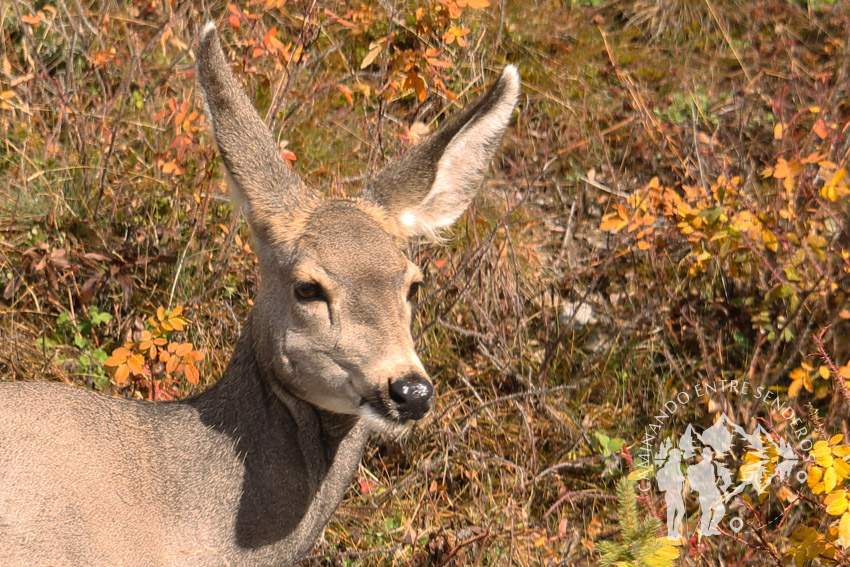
{"x": 88, "y": 289}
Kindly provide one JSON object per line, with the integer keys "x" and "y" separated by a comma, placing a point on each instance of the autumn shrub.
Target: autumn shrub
{"x": 753, "y": 271}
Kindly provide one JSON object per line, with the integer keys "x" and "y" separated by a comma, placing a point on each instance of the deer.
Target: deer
{"x": 249, "y": 472}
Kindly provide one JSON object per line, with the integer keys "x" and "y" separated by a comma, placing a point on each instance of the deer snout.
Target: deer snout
{"x": 412, "y": 395}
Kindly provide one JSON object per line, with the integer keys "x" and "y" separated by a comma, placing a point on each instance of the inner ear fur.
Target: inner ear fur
{"x": 428, "y": 187}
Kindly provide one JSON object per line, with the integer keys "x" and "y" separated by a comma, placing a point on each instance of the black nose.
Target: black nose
{"x": 412, "y": 396}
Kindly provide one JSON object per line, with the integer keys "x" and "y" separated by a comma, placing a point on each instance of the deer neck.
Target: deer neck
{"x": 297, "y": 460}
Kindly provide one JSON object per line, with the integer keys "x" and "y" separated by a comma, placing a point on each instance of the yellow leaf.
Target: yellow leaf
{"x": 541, "y": 541}
{"x": 837, "y": 505}
{"x": 823, "y": 371}
{"x": 815, "y": 476}
{"x": 841, "y": 451}
{"x": 829, "y": 479}
{"x": 844, "y": 530}
{"x": 640, "y": 474}
{"x": 769, "y": 240}
{"x": 777, "y": 131}
{"x": 836, "y": 439}
{"x": 797, "y": 374}
{"x": 807, "y": 383}
{"x": 825, "y": 461}
{"x": 820, "y": 449}
{"x": 842, "y": 469}
{"x": 794, "y": 388}
{"x": 844, "y": 371}
{"x": 160, "y": 313}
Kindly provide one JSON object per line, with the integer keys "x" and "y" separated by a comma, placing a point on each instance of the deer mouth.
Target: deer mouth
{"x": 375, "y": 405}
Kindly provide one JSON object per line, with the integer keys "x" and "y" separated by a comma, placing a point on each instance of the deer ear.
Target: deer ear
{"x": 430, "y": 186}
{"x": 268, "y": 190}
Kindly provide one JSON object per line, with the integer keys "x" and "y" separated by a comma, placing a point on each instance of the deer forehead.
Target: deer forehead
{"x": 350, "y": 241}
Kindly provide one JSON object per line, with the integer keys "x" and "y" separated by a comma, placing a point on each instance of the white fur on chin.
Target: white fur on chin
{"x": 380, "y": 424}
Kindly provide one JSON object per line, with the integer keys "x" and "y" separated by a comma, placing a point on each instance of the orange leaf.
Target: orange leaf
{"x": 33, "y": 19}
{"x": 119, "y": 356}
{"x": 194, "y": 356}
{"x": 122, "y": 375}
{"x": 135, "y": 363}
{"x": 172, "y": 363}
{"x": 418, "y": 83}
{"x": 183, "y": 349}
{"x": 346, "y": 92}
{"x": 192, "y": 374}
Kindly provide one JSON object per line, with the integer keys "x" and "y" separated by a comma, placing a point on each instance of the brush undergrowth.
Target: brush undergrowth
{"x": 669, "y": 208}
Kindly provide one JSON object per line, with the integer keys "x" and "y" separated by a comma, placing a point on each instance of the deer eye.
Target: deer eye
{"x": 413, "y": 291}
{"x": 309, "y": 291}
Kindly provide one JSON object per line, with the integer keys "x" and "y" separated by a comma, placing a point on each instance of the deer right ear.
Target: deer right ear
{"x": 431, "y": 185}
{"x": 267, "y": 188}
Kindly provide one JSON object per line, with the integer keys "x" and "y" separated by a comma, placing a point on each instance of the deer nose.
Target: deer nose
{"x": 412, "y": 396}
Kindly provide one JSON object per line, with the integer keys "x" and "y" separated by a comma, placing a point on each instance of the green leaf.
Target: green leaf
{"x": 99, "y": 317}
{"x": 45, "y": 343}
{"x": 792, "y": 274}
{"x": 79, "y": 341}
{"x": 63, "y": 319}
{"x": 779, "y": 291}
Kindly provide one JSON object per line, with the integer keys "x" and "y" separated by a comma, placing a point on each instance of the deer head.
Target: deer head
{"x": 331, "y": 323}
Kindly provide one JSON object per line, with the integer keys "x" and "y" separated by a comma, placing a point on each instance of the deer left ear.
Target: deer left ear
{"x": 431, "y": 185}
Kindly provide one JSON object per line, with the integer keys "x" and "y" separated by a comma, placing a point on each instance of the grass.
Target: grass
{"x": 510, "y": 469}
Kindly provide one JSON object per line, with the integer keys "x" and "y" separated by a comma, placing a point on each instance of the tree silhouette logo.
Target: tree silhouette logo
{"x": 708, "y": 476}
{"x": 707, "y": 462}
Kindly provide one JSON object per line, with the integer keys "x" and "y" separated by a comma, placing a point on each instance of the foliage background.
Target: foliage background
{"x": 668, "y": 208}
